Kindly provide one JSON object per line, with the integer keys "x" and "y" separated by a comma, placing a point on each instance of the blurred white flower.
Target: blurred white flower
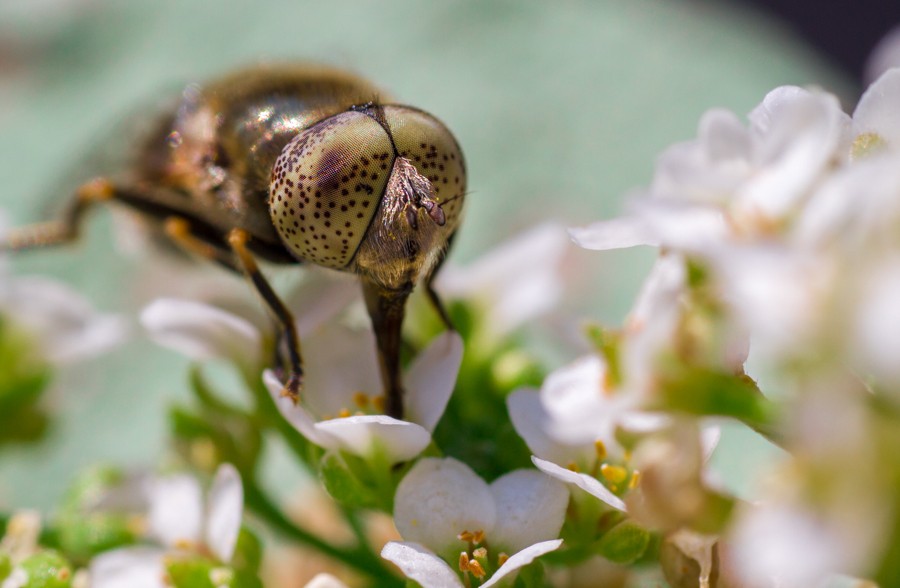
{"x": 446, "y": 513}
{"x": 205, "y": 332}
{"x": 883, "y": 57}
{"x": 183, "y": 526}
{"x": 732, "y": 181}
{"x": 62, "y": 324}
{"x": 342, "y": 387}
{"x": 516, "y": 282}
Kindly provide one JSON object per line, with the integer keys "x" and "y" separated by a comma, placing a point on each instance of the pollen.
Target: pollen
{"x": 463, "y": 561}
{"x": 344, "y": 413}
{"x": 501, "y": 559}
{"x": 479, "y": 553}
{"x": 866, "y": 144}
{"x": 573, "y": 467}
{"x": 614, "y": 474}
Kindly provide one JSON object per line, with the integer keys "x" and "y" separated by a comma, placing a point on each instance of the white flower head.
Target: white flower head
{"x": 63, "y": 325}
{"x": 339, "y": 400}
{"x": 182, "y": 524}
{"x": 445, "y": 512}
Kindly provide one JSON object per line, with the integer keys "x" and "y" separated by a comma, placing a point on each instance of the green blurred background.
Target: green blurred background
{"x": 561, "y": 108}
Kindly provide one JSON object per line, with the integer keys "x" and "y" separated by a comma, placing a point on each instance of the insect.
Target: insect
{"x": 295, "y": 164}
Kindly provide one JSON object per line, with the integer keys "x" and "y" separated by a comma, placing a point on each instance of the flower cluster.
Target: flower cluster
{"x": 785, "y": 232}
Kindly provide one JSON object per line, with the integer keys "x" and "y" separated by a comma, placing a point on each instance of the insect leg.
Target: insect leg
{"x": 387, "y": 309}
{"x": 65, "y": 229}
{"x": 237, "y": 240}
{"x": 178, "y": 229}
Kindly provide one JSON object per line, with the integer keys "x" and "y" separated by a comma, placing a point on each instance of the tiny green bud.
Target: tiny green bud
{"x": 624, "y": 543}
{"x": 46, "y": 569}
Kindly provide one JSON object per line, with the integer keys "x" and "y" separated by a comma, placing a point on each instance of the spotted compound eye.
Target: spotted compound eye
{"x": 326, "y": 187}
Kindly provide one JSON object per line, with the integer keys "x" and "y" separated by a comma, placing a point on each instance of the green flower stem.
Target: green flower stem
{"x": 360, "y": 559}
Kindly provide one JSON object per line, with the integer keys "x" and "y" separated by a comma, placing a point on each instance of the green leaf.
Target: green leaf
{"x": 705, "y": 392}
{"x": 248, "y": 552}
{"x": 343, "y": 484}
{"x": 624, "y": 543}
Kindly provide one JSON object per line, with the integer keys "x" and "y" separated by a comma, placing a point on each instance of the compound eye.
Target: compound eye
{"x": 426, "y": 142}
{"x": 326, "y": 186}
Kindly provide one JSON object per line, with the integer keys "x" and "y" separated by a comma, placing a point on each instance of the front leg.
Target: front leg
{"x": 387, "y": 309}
{"x": 237, "y": 240}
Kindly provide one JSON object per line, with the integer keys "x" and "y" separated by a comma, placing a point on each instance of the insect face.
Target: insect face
{"x": 374, "y": 190}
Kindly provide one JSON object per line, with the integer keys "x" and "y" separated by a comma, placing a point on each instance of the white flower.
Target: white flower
{"x": 732, "y": 181}
{"x": 876, "y": 115}
{"x": 61, "y": 323}
{"x": 182, "y": 525}
{"x": 444, "y": 510}
{"x": 516, "y": 282}
{"x": 204, "y": 332}
{"x": 342, "y": 385}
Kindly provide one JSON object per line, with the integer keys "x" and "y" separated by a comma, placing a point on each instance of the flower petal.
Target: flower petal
{"x": 296, "y": 414}
{"x": 421, "y": 565}
{"x": 532, "y": 422}
{"x": 225, "y": 506}
{"x": 321, "y": 298}
{"x": 64, "y": 324}
{"x": 431, "y": 379}
{"x": 340, "y": 363}
{"x": 617, "y": 233}
{"x": 135, "y": 567}
{"x": 440, "y": 498}
{"x": 324, "y": 580}
{"x": 176, "y": 510}
{"x": 583, "y": 481}
{"x": 531, "y": 507}
{"x": 202, "y": 332}
{"x": 365, "y": 435}
{"x": 876, "y": 111}
{"x": 521, "y": 559}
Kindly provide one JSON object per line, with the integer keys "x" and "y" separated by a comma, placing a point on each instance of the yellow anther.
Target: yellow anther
{"x": 465, "y": 536}
{"x": 501, "y": 559}
{"x": 378, "y": 403}
{"x": 476, "y": 569}
{"x": 463, "y": 561}
{"x": 573, "y": 467}
{"x": 480, "y": 552}
{"x": 344, "y": 413}
{"x": 600, "y": 450}
{"x": 635, "y": 480}
{"x": 479, "y": 537}
{"x": 614, "y": 474}
{"x": 360, "y": 399}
